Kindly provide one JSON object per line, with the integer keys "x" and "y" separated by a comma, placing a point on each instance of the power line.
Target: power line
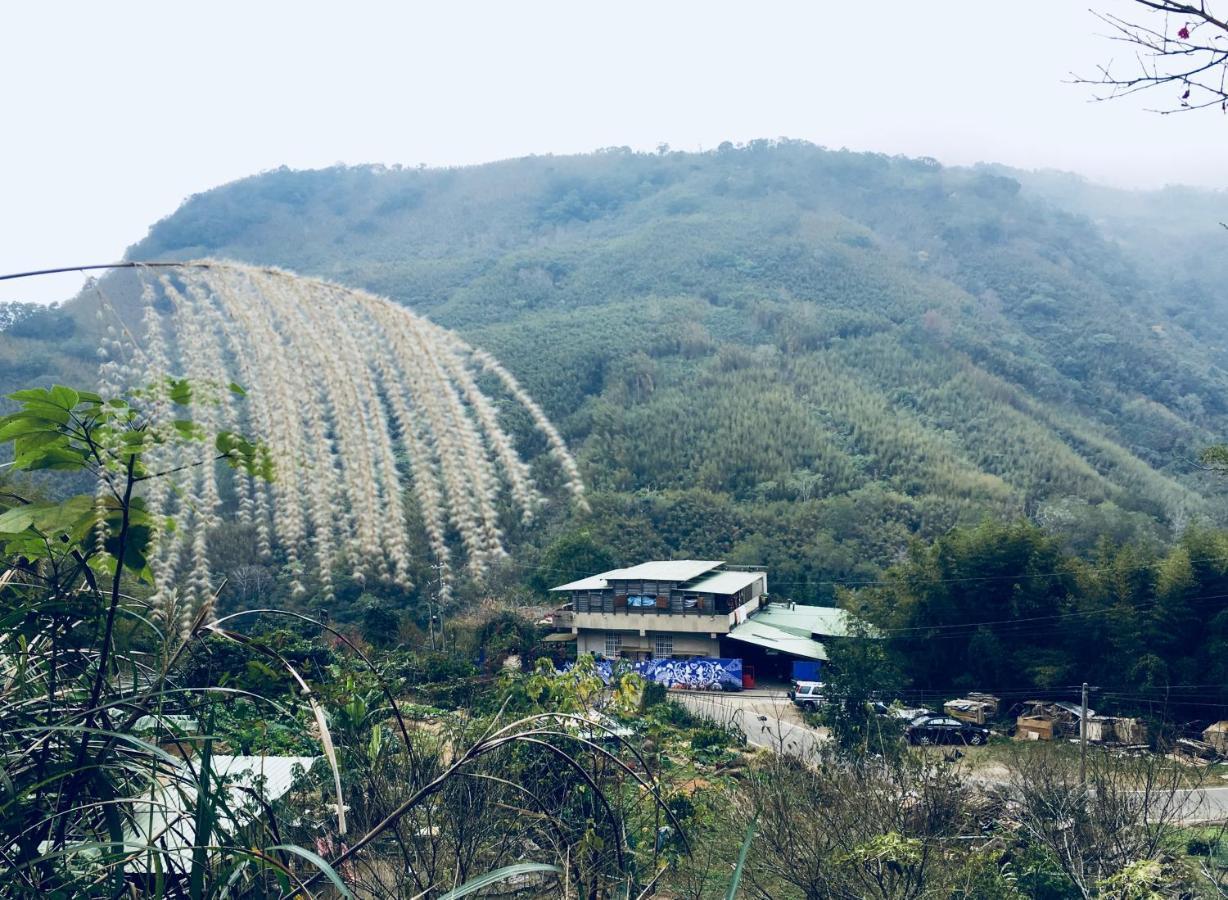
{"x": 1140, "y": 607}
{"x": 118, "y": 265}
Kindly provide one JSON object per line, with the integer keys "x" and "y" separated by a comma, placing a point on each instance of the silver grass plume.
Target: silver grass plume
{"x": 365, "y": 407}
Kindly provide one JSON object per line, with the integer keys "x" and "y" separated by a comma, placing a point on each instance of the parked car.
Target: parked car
{"x": 892, "y": 711}
{"x": 938, "y": 729}
{"x": 807, "y": 694}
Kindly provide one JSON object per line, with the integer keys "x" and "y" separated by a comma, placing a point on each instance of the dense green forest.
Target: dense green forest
{"x": 780, "y": 354}
{"x": 964, "y": 403}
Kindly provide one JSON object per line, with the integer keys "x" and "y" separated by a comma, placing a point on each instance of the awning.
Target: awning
{"x": 763, "y": 635}
{"x": 559, "y": 637}
{"x": 805, "y": 620}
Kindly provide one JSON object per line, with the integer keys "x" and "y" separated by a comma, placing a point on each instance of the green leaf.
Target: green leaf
{"x": 50, "y": 412}
{"x": 65, "y": 397}
{"x": 189, "y": 430}
{"x": 31, "y": 441}
{"x": 72, "y": 516}
{"x": 732, "y": 893}
{"x": 237, "y": 389}
{"x": 318, "y": 861}
{"x": 484, "y": 881}
{"x": 51, "y": 457}
{"x": 35, "y": 394}
{"x": 19, "y": 424}
{"x": 136, "y": 543}
{"x": 18, "y": 519}
{"x": 180, "y": 391}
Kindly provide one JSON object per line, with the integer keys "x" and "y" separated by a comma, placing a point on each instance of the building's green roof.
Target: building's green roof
{"x": 755, "y": 631}
{"x": 805, "y": 620}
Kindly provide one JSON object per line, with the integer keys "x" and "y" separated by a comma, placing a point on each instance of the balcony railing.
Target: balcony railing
{"x": 656, "y": 606}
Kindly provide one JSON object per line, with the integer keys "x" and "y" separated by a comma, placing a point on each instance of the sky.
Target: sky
{"x": 116, "y": 113}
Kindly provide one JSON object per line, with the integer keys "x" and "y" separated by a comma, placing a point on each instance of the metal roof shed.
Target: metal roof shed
{"x": 753, "y": 631}
{"x": 724, "y": 582}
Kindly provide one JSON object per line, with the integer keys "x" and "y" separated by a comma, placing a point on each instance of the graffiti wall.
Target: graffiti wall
{"x": 697, "y": 674}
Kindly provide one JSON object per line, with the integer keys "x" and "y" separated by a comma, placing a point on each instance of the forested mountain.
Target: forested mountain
{"x": 789, "y": 356}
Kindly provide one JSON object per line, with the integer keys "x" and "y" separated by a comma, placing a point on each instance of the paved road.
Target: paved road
{"x": 771, "y": 721}
{"x": 1204, "y": 805}
{"x": 767, "y": 718}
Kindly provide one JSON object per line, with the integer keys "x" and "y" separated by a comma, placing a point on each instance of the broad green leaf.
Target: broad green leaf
{"x": 32, "y": 394}
{"x": 18, "y": 519}
{"x": 19, "y": 424}
{"x": 69, "y": 517}
{"x": 30, "y": 441}
{"x": 51, "y": 412}
{"x": 136, "y": 544}
{"x": 51, "y": 457}
{"x": 237, "y": 389}
{"x": 64, "y": 396}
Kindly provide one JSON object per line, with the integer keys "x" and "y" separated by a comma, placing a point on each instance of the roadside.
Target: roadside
{"x": 770, "y": 721}
{"x": 768, "y": 718}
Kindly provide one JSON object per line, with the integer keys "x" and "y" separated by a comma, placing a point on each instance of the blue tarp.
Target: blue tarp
{"x": 806, "y": 670}
{"x": 701, "y": 673}
{"x": 641, "y": 600}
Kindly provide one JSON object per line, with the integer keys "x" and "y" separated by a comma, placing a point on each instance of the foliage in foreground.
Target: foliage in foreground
{"x": 91, "y": 804}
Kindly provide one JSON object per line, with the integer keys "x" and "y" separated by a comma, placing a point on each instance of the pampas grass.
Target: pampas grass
{"x": 366, "y": 408}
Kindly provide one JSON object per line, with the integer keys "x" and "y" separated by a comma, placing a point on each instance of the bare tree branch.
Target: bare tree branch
{"x": 1181, "y": 46}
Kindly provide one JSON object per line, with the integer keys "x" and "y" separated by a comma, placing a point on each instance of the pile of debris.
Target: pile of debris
{"x": 976, "y": 708}
{"x": 1212, "y": 748}
{"x": 1043, "y": 720}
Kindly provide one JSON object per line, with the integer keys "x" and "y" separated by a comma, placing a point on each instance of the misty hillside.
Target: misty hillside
{"x": 784, "y": 355}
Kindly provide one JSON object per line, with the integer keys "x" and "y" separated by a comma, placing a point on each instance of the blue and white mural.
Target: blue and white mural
{"x": 701, "y": 673}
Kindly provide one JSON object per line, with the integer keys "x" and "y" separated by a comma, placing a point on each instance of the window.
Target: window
{"x": 613, "y": 644}
{"x": 662, "y": 646}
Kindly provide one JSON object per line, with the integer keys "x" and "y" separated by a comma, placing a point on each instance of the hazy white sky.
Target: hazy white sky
{"x": 115, "y": 112}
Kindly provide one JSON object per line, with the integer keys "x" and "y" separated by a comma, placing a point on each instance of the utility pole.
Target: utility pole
{"x": 1083, "y": 739}
{"x": 433, "y": 603}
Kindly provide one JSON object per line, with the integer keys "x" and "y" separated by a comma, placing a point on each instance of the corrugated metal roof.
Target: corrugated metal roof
{"x": 657, "y": 570}
{"x": 165, "y": 818}
{"x": 724, "y": 582}
{"x": 664, "y": 570}
{"x": 761, "y": 634}
{"x": 592, "y": 583}
{"x": 805, "y": 620}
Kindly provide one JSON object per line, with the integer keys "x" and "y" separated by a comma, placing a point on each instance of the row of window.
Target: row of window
{"x": 662, "y": 644}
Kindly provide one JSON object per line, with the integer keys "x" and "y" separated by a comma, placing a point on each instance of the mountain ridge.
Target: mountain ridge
{"x": 773, "y": 330}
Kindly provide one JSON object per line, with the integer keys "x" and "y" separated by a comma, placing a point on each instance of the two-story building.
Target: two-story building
{"x": 675, "y": 609}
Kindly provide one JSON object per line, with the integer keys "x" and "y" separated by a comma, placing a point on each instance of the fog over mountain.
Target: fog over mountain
{"x": 787, "y": 354}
